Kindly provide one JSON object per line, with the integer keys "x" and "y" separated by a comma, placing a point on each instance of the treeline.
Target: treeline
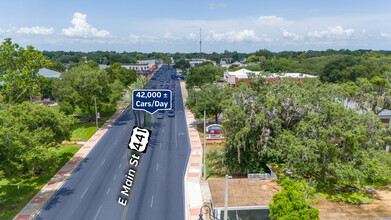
{"x": 103, "y": 57}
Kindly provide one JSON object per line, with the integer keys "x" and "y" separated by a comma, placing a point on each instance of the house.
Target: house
{"x": 49, "y": 73}
{"x": 385, "y": 116}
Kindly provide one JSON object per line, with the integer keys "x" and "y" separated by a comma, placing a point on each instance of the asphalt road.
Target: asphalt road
{"x": 92, "y": 190}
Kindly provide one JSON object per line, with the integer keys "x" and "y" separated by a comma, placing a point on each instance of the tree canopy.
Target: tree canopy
{"x": 202, "y": 74}
{"x": 81, "y": 85}
{"x": 27, "y": 132}
{"x": 294, "y": 202}
{"x": 19, "y": 71}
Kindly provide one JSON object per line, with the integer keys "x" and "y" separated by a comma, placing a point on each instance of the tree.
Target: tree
{"x": 19, "y": 71}
{"x": 305, "y": 125}
{"x": 27, "y": 132}
{"x": 253, "y": 59}
{"x": 294, "y": 202}
{"x": 124, "y": 75}
{"x": 210, "y": 98}
{"x": 373, "y": 95}
{"x": 182, "y": 64}
{"x": 82, "y": 85}
{"x": 47, "y": 86}
{"x": 202, "y": 74}
{"x": 128, "y": 94}
{"x": 334, "y": 70}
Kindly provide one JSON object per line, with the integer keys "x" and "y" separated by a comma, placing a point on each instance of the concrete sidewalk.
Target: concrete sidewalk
{"x": 196, "y": 191}
{"x": 45, "y": 194}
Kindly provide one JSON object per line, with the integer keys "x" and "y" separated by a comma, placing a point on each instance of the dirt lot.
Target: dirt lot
{"x": 256, "y": 192}
{"x": 380, "y": 208}
{"x": 248, "y": 192}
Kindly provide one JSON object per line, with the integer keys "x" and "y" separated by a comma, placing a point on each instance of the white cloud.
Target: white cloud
{"x": 35, "y": 30}
{"x": 217, "y": 6}
{"x": 332, "y": 33}
{"x": 386, "y": 35}
{"x": 135, "y": 39}
{"x": 290, "y": 35}
{"x": 82, "y": 29}
{"x": 191, "y": 36}
{"x": 168, "y": 36}
{"x": 234, "y": 36}
{"x": 269, "y": 20}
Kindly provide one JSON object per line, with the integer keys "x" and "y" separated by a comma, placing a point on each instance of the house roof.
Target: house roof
{"x": 385, "y": 113}
{"x": 49, "y": 73}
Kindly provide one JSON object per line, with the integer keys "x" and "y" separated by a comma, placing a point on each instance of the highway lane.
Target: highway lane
{"x": 85, "y": 192}
{"x": 92, "y": 190}
{"x": 159, "y": 189}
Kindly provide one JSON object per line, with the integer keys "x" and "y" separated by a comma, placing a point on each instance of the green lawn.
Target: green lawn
{"x": 82, "y": 131}
{"x": 212, "y": 172}
{"x": 348, "y": 197}
{"x": 85, "y": 131}
{"x": 29, "y": 186}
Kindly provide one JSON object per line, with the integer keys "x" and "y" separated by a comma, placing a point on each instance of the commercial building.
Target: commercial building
{"x": 232, "y": 78}
{"x": 196, "y": 62}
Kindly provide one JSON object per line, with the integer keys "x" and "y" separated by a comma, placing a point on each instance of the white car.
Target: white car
{"x": 160, "y": 115}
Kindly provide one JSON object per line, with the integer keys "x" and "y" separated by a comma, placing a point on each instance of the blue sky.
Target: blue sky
{"x": 173, "y": 26}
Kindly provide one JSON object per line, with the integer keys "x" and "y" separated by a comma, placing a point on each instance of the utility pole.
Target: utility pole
{"x": 96, "y": 116}
{"x": 226, "y": 198}
{"x": 205, "y": 145}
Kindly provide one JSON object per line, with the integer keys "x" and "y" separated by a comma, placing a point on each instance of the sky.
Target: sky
{"x": 174, "y": 25}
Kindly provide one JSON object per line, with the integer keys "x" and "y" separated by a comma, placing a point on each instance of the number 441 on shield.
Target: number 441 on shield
{"x": 139, "y": 139}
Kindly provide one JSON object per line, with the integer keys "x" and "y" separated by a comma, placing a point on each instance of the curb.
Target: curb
{"x": 196, "y": 193}
{"x": 36, "y": 204}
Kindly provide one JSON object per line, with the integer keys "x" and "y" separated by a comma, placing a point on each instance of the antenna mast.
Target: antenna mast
{"x": 200, "y": 40}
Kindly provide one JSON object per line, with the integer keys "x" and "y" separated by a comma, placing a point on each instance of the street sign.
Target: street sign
{"x": 152, "y": 100}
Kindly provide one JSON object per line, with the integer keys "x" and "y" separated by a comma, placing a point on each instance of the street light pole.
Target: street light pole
{"x": 226, "y": 198}
{"x": 19, "y": 193}
{"x": 96, "y": 116}
{"x": 205, "y": 145}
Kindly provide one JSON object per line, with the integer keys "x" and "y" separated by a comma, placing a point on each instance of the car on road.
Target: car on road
{"x": 160, "y": 115}
{"x": 171, "y": 113}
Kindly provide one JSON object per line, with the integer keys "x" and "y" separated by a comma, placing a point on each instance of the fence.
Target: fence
{"x": 267, "y": 175}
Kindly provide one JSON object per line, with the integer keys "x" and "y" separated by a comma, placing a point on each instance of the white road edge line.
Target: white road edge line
{"x": 103, "y": 162}
{"x": 108, "y": 191}
{"x": 152, "y": 202}
{"x": 120, "y": 165}
{"x": 114, "y": 176}
{"x": 84, "y": 193}
{"x": 98, "y": 212}
{"x": 176, "y": 136}
{"x": 157, "y": 166}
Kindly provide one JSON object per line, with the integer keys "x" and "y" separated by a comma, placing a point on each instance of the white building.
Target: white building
{"x": 196, "y": 62}
{"x": 232, "y": 78}
{"x": 149, "y": 62}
